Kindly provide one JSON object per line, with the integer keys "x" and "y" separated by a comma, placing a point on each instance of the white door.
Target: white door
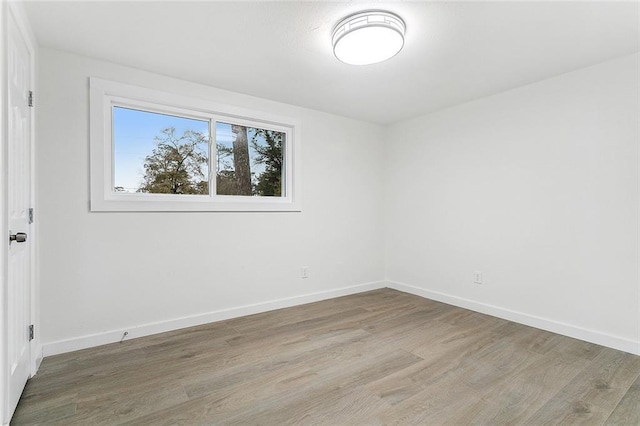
{"x": 18, "y": 203}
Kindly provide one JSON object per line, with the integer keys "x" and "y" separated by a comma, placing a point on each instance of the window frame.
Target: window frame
{"x": 105, "y": 95}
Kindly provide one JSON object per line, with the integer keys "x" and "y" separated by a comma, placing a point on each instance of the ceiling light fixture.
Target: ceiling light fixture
{"x": 368, "y": 37}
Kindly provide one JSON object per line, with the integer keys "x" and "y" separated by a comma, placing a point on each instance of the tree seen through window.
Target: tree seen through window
{"x": 163, "y": 154}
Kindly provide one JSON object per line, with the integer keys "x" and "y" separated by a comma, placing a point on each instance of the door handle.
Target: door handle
{"x": 19, "y": 237}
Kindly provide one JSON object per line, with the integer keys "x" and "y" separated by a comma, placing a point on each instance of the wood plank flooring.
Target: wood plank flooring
{"x": 381, "y": 357}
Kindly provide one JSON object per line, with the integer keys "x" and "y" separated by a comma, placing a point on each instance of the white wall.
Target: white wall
{"x": 103, "y": 273}
{"x": 537, "y": 188}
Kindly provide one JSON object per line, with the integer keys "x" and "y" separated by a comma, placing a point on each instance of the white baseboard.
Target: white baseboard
{"x": 83, "y": 342}
{"x": 112, "y": 336}
{"x": 592, "y": 336}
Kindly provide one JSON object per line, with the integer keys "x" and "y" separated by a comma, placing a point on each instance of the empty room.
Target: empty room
{"x": 320, "y": 212}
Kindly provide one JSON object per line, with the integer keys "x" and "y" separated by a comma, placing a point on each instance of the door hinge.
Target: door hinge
{"x": 31, "y": 332}
{"x": 30, "y": 98}
{"x": 30, "y": 214}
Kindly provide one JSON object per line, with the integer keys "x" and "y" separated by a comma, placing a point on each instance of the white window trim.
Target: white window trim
{"x": 105, "y": 94}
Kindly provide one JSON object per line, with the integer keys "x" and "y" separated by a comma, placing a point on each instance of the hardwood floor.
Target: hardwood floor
{"x": 381, "y": 357}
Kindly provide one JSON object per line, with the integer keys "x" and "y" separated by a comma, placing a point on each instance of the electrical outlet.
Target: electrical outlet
{"x": 304, "y": 272}
{"x": 477, "y": 277}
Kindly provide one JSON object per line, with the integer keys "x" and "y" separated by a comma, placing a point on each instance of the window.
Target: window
{"x": 154, "y": 151}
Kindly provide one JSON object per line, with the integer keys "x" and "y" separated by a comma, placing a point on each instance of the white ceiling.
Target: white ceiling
{"x": 454, "y": 51}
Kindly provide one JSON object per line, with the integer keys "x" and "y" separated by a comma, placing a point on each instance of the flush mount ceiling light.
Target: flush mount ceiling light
{"x": 368, "y": 37}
